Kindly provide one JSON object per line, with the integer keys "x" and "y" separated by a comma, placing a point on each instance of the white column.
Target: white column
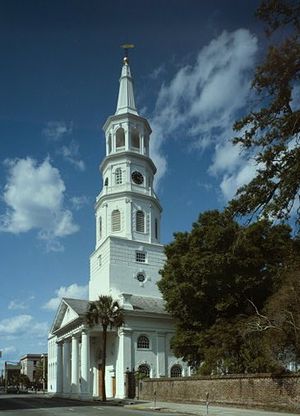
{"x": 126, "y": 129}
{"x": 128, "y": 218}
{"x": 124, "y": 361}
{"x": 59, "y": 369}
{"x": 113, "y": 139}
{"x": 66, "y": 366}
{"x": 105, "y": 225}
{"x": 150, "y": 223}
{"x": 128, "y": 173}
{"x": 74, "y": 372}
{"x": 142, "y": 144}
{"x": 85, "y": 362}
{"x": 161, "y": 355}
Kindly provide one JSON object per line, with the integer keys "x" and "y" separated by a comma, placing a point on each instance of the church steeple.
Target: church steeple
{"x": 128, "y": 212}
{"x": 126, "y": 102}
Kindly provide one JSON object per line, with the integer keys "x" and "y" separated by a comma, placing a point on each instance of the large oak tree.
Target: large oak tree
{"x": 270, "y": 131}
{"x": 209, "y": 279}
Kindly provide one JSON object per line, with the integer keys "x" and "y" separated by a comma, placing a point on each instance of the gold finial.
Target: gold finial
{"x": 126, "y": 46}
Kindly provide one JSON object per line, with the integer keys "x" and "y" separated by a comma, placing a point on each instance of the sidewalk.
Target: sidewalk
{"x": 200, "y": 410}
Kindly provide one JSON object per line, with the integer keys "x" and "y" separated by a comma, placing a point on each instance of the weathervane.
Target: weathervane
{"x": 126, "y": 46}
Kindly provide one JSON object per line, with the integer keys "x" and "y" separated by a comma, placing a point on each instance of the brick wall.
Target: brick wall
{"x": 255, "y": 390}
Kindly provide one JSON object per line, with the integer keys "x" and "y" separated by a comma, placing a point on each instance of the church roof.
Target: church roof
{"x": 80, "y": 306}
{"x": 147, "y": 304}
{"x": 141, "y": 303}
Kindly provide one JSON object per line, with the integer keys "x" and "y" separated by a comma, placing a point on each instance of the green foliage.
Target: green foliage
{"x": 208, "y": 279}
{"x": 40, "y": 372}
{"x": 106, "y": 312}
{"x": 279, "y": 321}
{"x": 24, "y": 381}
{"x": 271, "y": 129}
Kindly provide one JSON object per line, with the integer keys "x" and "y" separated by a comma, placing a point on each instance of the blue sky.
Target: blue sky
{"x": 60, "y": 65}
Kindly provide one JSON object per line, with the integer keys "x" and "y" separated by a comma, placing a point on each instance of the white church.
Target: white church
{"x": 125, "y": 264}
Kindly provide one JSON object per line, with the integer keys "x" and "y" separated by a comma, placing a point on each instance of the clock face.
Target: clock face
{"x": 137, "y": 177}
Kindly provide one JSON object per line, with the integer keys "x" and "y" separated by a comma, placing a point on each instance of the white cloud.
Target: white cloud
{"x": 8, "y": 350}
{"x": 202, "y": 101}
{"x": 79, "y": 201}
{"x": 73, "y": 291}
{"x": 23, "y": 324}
{"x": 71, "y": 154}
{"x": 56, "y": 130}
{"x": 16, "y": 304}
{"x": 227, "y": 158}
{"x": 157, "y": 72}
{"x": 34, "y": 195}
{"x": 231, "y": 182}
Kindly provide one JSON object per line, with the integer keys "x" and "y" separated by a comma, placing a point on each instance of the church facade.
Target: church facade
{"x": 125, "y": 264}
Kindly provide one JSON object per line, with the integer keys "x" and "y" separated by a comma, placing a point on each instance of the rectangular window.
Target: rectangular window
{"x": 140, "y": 256}
{"x": 99, "y": 260}
{"x": 118, "y": 176}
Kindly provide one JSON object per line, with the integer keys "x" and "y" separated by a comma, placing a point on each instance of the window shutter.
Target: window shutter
{"x": 140, "y": 221}
{"x": 115, "y": 220}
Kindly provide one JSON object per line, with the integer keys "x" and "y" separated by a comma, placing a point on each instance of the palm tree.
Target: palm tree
{"x": 106, "y": 312}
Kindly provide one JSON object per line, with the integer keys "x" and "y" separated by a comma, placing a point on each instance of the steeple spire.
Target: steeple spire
{"x": 126, "y": 103}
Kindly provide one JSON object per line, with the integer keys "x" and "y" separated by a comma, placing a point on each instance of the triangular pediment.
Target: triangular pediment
{"x": 68, "y": 311}
{"x": 69, "y": 316}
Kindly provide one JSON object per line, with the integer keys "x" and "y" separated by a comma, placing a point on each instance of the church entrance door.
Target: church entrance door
{"x": 130, "y": 384}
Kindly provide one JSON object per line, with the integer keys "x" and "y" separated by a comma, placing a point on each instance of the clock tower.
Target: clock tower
{"x": 128, "y": 254}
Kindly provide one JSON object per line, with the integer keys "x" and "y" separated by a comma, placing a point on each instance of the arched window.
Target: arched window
{"x": 109, "y": 143}
{"x": 106, "y": 182}
{"x": 140, "y": 221}
{"x": 135, "y": 139}
{"x": 143, "y": 342}
{"x": 120, "y": 138}
{"x": 156, "y": 228}
{"x": 115, "y": 220}
{"x": 118, "y": 176}
{"x": 176, "y": 370}
{"x": 144, "y": 369}
{"x": 100, "y": 227}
